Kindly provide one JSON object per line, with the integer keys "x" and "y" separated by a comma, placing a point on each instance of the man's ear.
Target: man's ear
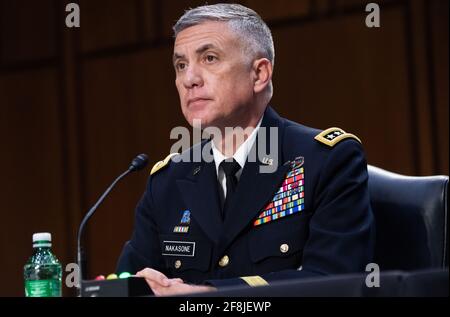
{"x": 262, "y": 72}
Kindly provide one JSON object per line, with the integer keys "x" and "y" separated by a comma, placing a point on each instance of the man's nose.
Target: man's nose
{"x": 193, "y": 77}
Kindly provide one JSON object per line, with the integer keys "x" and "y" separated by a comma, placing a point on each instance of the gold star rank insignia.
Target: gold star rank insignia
{"x": 333, "y": 136}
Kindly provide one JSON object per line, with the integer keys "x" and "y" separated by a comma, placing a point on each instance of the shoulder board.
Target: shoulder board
{"x": 333, "y": 136}
{"x": 162, "y": 163}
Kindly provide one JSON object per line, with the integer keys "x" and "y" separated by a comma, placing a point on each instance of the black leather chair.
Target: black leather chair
{"x": 411, "y": 220}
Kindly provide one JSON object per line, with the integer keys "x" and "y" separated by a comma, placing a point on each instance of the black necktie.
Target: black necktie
{"x": 230, "y": 169}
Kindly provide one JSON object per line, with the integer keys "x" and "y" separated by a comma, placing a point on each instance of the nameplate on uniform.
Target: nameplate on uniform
{"x": 178, "y": 248}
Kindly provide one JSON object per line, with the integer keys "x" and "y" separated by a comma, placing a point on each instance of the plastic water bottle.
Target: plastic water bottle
{"x": 42, "y": 272}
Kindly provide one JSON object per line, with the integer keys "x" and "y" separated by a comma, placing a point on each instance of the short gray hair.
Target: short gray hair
{"x": 240, "y": 19}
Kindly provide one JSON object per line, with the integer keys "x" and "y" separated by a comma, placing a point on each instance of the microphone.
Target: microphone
{"x": 138, "y": 163}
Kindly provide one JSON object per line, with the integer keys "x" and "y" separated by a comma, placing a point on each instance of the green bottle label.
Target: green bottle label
{"x": 43, "y": 288}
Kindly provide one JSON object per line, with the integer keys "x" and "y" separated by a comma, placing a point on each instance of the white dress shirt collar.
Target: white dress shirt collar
{"x": 241, "y": 154}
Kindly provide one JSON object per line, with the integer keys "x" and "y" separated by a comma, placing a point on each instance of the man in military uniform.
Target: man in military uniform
{"x": 203, "y": 225}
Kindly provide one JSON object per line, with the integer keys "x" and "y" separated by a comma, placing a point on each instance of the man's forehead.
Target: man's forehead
{"x": 211, "y": 32}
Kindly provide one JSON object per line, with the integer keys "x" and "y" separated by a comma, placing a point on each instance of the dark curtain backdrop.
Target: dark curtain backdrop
{"x": 77, "y": 104}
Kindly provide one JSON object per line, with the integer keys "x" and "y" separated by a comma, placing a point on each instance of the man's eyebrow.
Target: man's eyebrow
{"x": 177, "y": 56}
{"x": 204, "y": 48}
{"x": 198, "y": 51}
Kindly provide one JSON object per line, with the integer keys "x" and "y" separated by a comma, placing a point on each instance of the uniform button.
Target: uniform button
{"x": 224, "y": 261}
{"x": 284, "y": 248}
{"x": 177, "y": 264}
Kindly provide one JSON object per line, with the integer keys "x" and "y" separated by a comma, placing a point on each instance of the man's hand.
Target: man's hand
{"x": 161, "y": 285}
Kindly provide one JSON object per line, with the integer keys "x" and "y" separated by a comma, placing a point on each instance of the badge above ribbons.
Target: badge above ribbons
{"x": 290, "y": 197}
{"x": 184, "y": 223}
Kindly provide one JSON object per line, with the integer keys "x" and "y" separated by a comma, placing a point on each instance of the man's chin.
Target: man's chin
{"x": 201, "y": 122}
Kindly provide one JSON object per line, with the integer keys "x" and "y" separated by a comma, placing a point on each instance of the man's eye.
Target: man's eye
{"x": 211, "y": 58}
{"x": 180, "y": 66}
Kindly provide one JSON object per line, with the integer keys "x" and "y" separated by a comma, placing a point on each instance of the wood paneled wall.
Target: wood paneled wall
{"x": 77, "y": 104}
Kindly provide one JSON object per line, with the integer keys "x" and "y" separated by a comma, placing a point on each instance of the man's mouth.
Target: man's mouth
{"x": 199, "y": 101}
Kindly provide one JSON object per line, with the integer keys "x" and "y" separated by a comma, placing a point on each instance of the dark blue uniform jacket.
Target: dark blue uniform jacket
{"x": 310, "y": 217}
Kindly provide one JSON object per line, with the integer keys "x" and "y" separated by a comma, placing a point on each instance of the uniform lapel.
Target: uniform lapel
{"x": 255, "y": 189}
{"x": 199, "y": 191}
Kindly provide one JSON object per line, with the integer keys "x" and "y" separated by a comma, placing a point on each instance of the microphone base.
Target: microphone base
{"x": 128, "y": 287}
